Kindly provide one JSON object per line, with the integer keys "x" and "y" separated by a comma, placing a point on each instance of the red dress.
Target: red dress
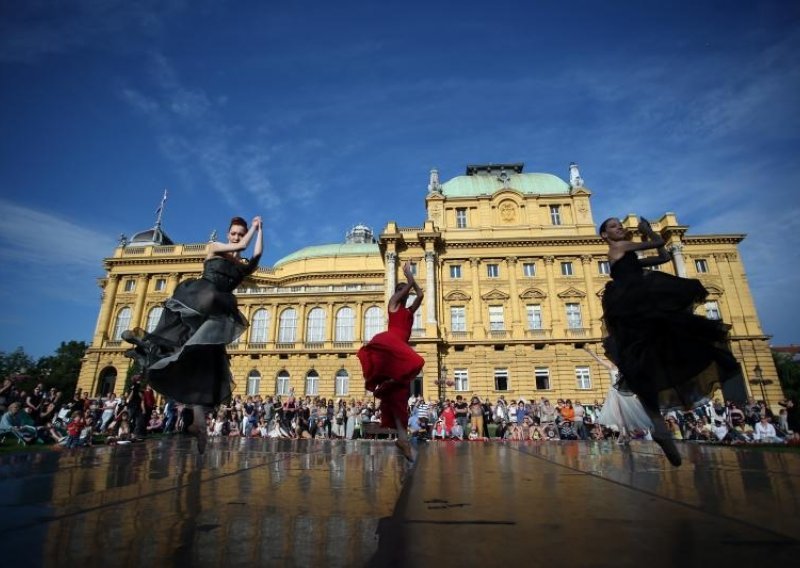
{"x": 388, "y": 357}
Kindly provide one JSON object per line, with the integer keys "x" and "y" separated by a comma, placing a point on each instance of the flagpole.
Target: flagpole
{"x": 160, "y": 210}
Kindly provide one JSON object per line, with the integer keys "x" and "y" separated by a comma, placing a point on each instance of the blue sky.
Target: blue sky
{"x": 320, "y": 115}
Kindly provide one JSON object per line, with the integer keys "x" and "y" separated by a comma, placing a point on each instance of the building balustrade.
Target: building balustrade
{"x": 342, "y": 344}
{"x": 537, "y": 333}
{"x": 284, "y": 345}
{"x": 418, "y": 332}
{"x": 113, "y": 343}
{"x": 461, "y": 334}
{"x": 315, "y": 345}
{"x": 498, "y": 333}
{"x": 577, "y": 332}
{"x": 260, "y": 345}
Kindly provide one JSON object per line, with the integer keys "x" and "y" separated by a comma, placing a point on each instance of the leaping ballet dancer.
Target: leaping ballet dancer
{"x": 184, "y": 357}
{"x": 390, "y": 364}
{"x": 668, "y": 356}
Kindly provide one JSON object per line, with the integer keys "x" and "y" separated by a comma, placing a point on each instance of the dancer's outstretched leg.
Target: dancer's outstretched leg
{"x": 402, "y": 442}
{"x": 662, "y": 436}
{"x": 198, "y": 427}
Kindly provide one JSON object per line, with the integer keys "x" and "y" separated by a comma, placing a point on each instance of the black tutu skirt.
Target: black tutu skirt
{"x": 667, "y": 355}
{"x": 185, "y": 356}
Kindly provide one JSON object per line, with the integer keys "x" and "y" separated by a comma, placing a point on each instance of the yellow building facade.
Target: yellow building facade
{"x": 513, "y": 272}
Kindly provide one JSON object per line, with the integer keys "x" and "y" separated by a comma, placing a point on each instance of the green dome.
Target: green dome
{"x": 334, "y": 250}
{"x": 533, "y": 183}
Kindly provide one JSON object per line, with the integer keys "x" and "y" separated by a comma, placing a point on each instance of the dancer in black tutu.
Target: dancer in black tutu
{"x": 667, "y": 355}
{"x": 184, "y": 357}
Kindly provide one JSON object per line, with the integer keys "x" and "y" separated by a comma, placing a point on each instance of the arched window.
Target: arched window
{"x": 282, "y": 384}
{"x": 342, "y": 383}
{"x": 373, "y": 322}
{"x": 287, "y": 326}
{"x": 253, "y": 383}
{"x": 123, "y": 322}
{"x": 153, "y": 317}
{"x": 315, "y": 326}
{"x": 345, "y": 324}
{"x": 312, "y": 383}
{"x": 259, "y": 326}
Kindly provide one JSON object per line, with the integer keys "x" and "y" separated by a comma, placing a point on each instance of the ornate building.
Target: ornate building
{"x": 513, "y": 272}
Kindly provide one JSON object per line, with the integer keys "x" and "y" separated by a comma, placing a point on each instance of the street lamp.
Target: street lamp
{"x": 762, "y": 382}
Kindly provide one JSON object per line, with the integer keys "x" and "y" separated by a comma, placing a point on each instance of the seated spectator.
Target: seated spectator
{"x": 439, "y": 430}
{"x": 765, "y": 433}
{"x": 566, "y": 430}
{"x": 156, "y": 423}
{"x": 87, "y": 433}
{"x": 458, "y": 431}
{"x": 721, "y": 431}
{"x": 551, "y": 432}
{"x": 12, "y": 422}
{"x": 473, "y": 434}
{"x": 673, "y": 428}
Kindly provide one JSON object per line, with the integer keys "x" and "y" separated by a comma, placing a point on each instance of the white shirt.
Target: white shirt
{"x": 764, "y": 431}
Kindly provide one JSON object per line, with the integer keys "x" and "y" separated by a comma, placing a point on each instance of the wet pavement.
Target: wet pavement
{"x": 355, "y": 503}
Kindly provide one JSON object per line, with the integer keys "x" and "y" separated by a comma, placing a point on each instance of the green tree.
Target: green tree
{"x": 17, "y": 364}
{"x": 61, "y": 369}
{"x": 788, "y": 374}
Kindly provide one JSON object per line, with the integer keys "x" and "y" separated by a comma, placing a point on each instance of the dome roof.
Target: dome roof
{"x": 533, "y": 183}
{"x": 154, "y": 236}
{"x": 333, "y": 250}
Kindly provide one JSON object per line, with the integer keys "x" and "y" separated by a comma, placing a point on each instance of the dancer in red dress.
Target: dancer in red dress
{"x": 390, "y": 364}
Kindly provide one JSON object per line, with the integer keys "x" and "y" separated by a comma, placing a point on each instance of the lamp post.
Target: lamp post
{"x": 441, "y": 381}
{"x": 762, "y": 382}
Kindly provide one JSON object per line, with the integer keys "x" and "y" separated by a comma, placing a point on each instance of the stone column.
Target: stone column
{"x": 108, "y": 295}
{"x": 677, "y": 259}
{"x": 430, "y": 290}
{"x": 477, "y": 303}
{"x": 391, "y": 275}
{"x": 330, "y": 324}
{"x": 588, "y": 278}
{"x": 359, "y": 323}
{"x": 552, "y": 297}
{"x": 516, "y": 321}
{"x": 172, "y": 283}
{"x": 141, "y": 294}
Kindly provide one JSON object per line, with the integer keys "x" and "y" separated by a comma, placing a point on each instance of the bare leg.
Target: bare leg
{"x": 198, "y": 427}
{"x": 402, "y": 442}
{"x": 662, "y": 436}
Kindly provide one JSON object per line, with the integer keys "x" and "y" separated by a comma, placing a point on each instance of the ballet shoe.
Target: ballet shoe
{"x": 405, "y": 448}
{"x": 669, "y": 448}
{"x": 134, "y": 336}
{"x": 202, "y": 437}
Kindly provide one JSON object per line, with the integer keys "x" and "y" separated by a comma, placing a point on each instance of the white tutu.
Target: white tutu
{"x": 623, "y": 411}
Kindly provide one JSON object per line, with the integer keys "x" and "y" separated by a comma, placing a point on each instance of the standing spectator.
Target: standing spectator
{"x": 580, "y": 414}
{"x": 448, "y": 416}
{"x": 134, "y": 405}
{"x": 476, "y": 415}
{"x": 74, "y": 429}
{"x": 33, "y": 402}
{"x": 170, "y": 416}
{"x": 461, "y": 411}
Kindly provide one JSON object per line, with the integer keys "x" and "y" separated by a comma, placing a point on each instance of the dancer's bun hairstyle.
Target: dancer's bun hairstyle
{"x": 238, "y": 221}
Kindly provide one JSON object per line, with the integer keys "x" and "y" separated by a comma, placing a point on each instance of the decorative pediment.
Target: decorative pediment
{"x": 457, "y": 296}
{"x": 495, "y": 295}
{"x": 714, "y": 290}
{"x": 533, "y": 294}
{"x": 571, "y": 293}
{"x": 600, "y": 292}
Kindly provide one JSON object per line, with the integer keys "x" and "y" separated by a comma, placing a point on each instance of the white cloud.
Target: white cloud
{"x": 42, "y": 239}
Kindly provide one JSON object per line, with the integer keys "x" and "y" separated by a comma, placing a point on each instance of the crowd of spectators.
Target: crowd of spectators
{"x": 42, "y": 416}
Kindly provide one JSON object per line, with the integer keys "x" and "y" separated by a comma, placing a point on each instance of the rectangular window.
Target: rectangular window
{"x": 455, "y": 271}
{"x": 604, "y": 267}
{"x": 566, "y": 269}
{"x": 458, "y": 318}
{"x": 461, "y": 377}
{"x": 283, "y": 386}
{"x": 712, "y": 310}
{"x": 583, "y": 379}
{"x": 534, "y": 316}
{"x": 555, "y": 214}
{"x": 701, "y": 265}
{"x": 574, "y": 320}
{"x": 542, "y": 375}
{"x": 342, "y": 383}
{"x": 461, "y": 218}
{"x": 413, "y": 266}
{"x": 161, "y": 284}
{"x": 501, "y": 379}
{"x": 529, "y": 269}
{"x": 496, "y": 322}
{"x": 130, "y": 285}
{"x": 493, "y": 270}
